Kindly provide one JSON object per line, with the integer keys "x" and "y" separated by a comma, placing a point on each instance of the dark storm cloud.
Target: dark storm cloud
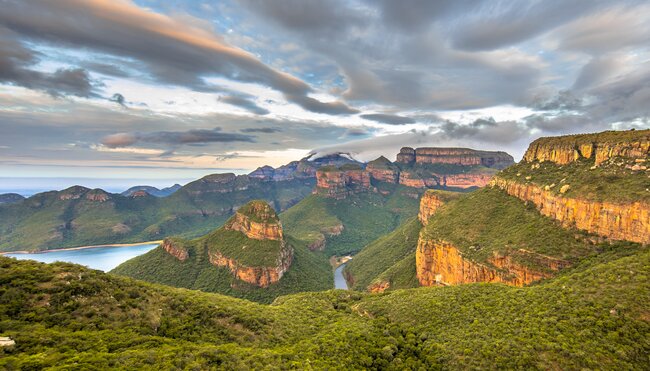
{"x": 197, "y": 136}
{"x": 15, "y": 68}
{"x": 175, "y": 52}
{"x": 388, "y": 119}
{"x": 244, "y": 102}
{"x": 309, "y": 15}
{"x": 261, "y": 130}
{"x": 119, "y": 99}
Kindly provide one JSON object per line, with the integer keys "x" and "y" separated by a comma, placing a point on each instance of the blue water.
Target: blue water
{"x": 103, "y": 258}
{"x": 339, "y": 281}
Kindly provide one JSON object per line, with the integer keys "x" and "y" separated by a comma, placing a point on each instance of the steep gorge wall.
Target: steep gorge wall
{"x": 253, "y": 229}
{"x": 454, "y": 156}
{"x": 625, "y": 221}
{"x": 440, "y": 262}
{"x": 341, "y": 183}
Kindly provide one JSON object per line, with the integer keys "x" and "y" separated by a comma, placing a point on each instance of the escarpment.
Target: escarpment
{"x": 616, "y": 221}
{"x": 600, "y": 147}
{"x": 262, "y": 276}
{"x": 440, "y": 262}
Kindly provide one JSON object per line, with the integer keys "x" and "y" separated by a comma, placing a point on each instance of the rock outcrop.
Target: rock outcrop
{"x": 600, "y": 147}
{"x": 302, "y": 169}
{"x": 440, "y": 262}
{"x": 175, "y": 248}
{"x": 383, "y": 170}
{"x": 256, "y": 220}
{"x": 628, "y": 221}
{"x": 429, "y": 203}
{"x": 258, "y": 276}
{"x": 340, "y": 182}
{"x": 454, "y": 156}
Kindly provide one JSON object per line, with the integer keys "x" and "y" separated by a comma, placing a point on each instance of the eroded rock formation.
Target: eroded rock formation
{"x": 454, "y": 156}
{"x": 440, "y": 262}
{"x": 429, "y": 203}
{"x": 258, "y": 276}
{"x": 256, "y": 220}
{"x": 175, "y": 249}
{"x": 625, "y": 221}
{"x": 600, "y": 147}
{"x": 340, "y": 182}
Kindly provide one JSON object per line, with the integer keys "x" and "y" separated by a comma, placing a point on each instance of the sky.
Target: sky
{"x": 165, "y": 91}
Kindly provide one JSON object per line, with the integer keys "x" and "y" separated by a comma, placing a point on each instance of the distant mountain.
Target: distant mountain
{"x": 152, "y": 190}
{"x": 10, "y": 198}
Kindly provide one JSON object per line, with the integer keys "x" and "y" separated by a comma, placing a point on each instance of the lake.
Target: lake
{"x": 103, "y": 258}
{"x": 339, "y": 280}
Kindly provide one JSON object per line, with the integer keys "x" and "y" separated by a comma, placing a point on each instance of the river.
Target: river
{"x": 339, "y": 280}
{"x": 103, "y": 258}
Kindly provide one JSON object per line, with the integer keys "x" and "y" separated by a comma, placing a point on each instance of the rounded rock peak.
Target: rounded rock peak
{"x": 259, "y": 211}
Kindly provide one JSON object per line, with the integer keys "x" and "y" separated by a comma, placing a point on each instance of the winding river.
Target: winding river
{"x": 339, "y": 280}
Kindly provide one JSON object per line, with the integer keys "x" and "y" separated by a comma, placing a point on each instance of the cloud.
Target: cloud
{"x": 119, "y": 99}
{"x": 196, "y": 136}
{"x": 178, "y": 50}
{"x": 261, "y": 130}
{"x": 244, "y": 102}
{"x": 15, "y": 63}
{"x": 388, "y": 119}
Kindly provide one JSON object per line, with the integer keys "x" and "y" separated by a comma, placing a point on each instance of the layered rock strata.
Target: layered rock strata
{"x": 429, "y": 203}
{"x": 616, "y": 221}
{"x": 340, "y": 182}
{"x": 441, "y": 263}
{"x": 175, "y": 249}
{"x": 454, "y": 156}
{"x": 600, "y": 147}
{"x": 265, "y": 225}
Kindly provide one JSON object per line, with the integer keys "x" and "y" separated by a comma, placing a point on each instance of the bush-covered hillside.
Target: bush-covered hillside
{"x": 593, "y": 316}
{"x": 383, "y": 254}
{"x": 364, "y": 217}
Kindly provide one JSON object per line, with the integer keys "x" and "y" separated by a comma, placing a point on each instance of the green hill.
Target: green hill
{"x": 347, "y": 225}
{"x": 592, "y": 316}
{"x": 382, "y": 259}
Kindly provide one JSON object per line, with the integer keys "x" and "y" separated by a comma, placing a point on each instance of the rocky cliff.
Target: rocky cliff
{"x": 302, "y": 169}
{"x": 429, "y": 203}
{"x": 383, "y": 170}
{"x": 262, "y": 276}
{"x": 616, "y": 221}
{"x": 439, "y": 262}
{"x": 175, "y": 248}
{"x": 600, "y": 147}
{"x": 340, "y": 182}
{"x": 454, "y": 156}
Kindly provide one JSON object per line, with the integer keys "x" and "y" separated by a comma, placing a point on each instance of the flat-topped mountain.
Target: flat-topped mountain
{"x": 454, "y": 156}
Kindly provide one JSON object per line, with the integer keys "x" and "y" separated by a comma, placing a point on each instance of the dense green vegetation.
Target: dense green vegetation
{"x": 51, "y": 220}
{"x": 614, "y": 180}
{"x": 383, "y": 254}
{"x": 488, "y": 221}
{"x": 592, "y": 316}
{"x": 310, "y": 271}
{"x": 364, "y": 217}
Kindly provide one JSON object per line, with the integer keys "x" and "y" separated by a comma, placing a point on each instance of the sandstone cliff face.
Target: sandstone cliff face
{"x": 600, "y": 147}
{"x": 337, "y": 183}
{"x": 175, "y": 249}
{"x": 258, "y": 276}
{"x": 454, "y": 156}
{"x": 630, "y": 221}
{"x": 439, "y": 262}
{"x": 380, "y": 286}
{"x": 429, "y": 203}
{"x": 464, "y": 181}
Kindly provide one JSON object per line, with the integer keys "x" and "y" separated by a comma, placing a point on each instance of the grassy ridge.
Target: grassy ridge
{"x": 592, "y": 316}
{"x": 382, "y": 254}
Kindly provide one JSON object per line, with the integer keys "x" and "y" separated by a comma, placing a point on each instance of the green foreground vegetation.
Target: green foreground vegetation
{"x": 594, "y": 315}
